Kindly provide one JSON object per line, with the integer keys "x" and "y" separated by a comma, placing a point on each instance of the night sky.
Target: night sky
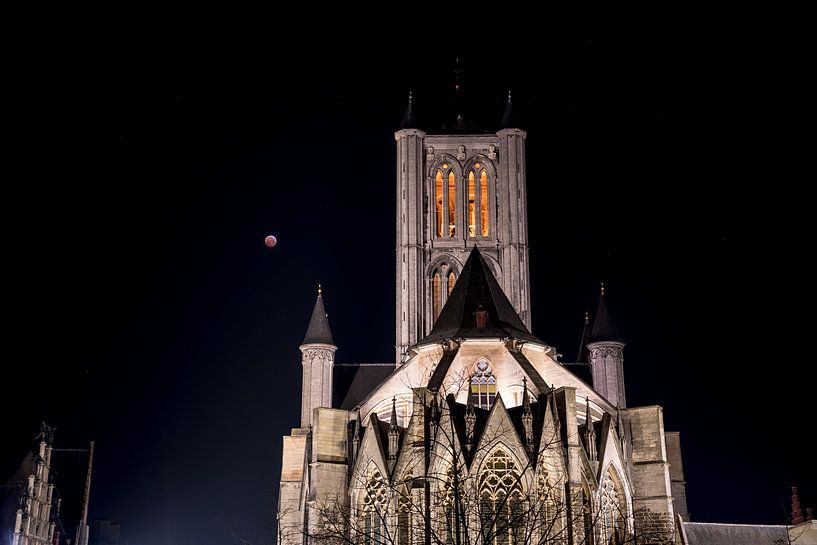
{"x": 144, "y": 311}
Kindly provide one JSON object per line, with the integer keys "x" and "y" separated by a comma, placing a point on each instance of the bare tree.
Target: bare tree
{"x": 450, "y": 487}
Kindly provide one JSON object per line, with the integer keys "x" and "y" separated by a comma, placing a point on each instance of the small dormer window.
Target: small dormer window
{"x": 481, "y": 318}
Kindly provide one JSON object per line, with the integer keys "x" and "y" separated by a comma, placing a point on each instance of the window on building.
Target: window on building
{"x": 472, "y": 200}
{"x": 587, "y": 515}
{"x": 374, "y": 510}
{"x": 438, "y": 202}
{"x": 483, "y": 201}
{"x": 452, "y": 532}
{"x": 436, "y": 296}
{"x": 613, "y": 508}
{"x": 404, "y": 518}
{"x": 452, "y": 205}
{"x": 501, "y": 505}
{"x": 452, "y": 279}
{"x": 483, "y": 385}
{"x": 547, "y": 514}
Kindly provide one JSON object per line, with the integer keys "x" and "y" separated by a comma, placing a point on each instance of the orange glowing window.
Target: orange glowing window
{"x": 436, "y": 295}
{"x": 452, "y": 206}
{"x": 438, "y": 201}
{"x": 483, "y": 201}
{"x": 472, "y": 215}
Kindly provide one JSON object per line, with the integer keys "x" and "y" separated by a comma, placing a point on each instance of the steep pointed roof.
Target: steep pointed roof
{"x": 409, "y": 118}
{"x": 318, "y": 330}
{"x": 477, "y": 289}
{"x": 508, "y": 120}
{"x": 604, "y": 328}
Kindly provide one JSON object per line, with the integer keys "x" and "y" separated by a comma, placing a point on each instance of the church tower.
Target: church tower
{"x": 457, "y": 188}
{"x": 606, "y": 355}
{"x": 318, "y": 359}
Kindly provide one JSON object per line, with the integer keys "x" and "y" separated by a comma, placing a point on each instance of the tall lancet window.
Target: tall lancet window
{"x": 472, "y": 203}
{"x": 501, "y": 509}
{"x": 483, "y": 201}
{"x": 452, "y": 279}
{"x": 438, "y": 202}
{"x": 374, "y": 510}
{"x": 483, "y": 385}
{"x": 436, "y": 295}
{"x": 404, "y": 515}
{"x": 452, "y": 205}
{"x": 613, "y": 509}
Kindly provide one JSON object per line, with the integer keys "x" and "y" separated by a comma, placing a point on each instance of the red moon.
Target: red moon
{"x": 270, "y": 241}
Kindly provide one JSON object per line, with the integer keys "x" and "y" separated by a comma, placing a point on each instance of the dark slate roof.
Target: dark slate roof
{"x": 476, "y": 288}
{"x": 705, "y": 533}
{"x": 441, "y": 370}
{"x": 604, "y": 328}
{"x": 354, "y": 381}
{"x": 581, "y": 370}
{"x": 318, "y": 330}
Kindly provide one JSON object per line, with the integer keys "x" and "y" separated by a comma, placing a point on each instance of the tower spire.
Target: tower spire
{"x": 527, "y": 416}
{"x": 409, "y": 120}
{"x": 606, "y": 354}
{"x": 318, "y": 330}
{"x": 394, "y": 431}
{"x": 318, "y": 359}
{"x": 508, "y": 120}
{"x": 590, "y": 435}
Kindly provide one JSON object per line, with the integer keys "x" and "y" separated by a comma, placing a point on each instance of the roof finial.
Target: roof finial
{"x": 319, "y": 289}
{"x": 509, "y": 95}
{"x": 586, "y": 317}
{"x": 602, "y": 288}
{"x": 411, "y": 95}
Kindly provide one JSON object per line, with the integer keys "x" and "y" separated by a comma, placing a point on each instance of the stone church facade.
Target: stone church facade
{"x": 476, "y": 434}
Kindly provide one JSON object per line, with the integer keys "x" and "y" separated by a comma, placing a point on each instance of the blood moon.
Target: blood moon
{"x": 270, "y": 241}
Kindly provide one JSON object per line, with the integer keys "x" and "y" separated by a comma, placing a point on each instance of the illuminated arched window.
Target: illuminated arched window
{"x": 452, "y": 205}
{"x": 472, "y": 200}
{"x": 613, "y": 509}
{"x": 374, "y": 510}
{"x": 501, "y": 505}
{"x": 438, "y": 202}
{"x": 547, "y": 512}
{"x": 587, "y": 515}
{"x": 483, "y": 385}
{"x": 483, "y": 201}
{"x": 452, "y": 279}
{"x": 404, "y": 515}
{"x": 453, "y": 529}
{"x": 436, "y": 296}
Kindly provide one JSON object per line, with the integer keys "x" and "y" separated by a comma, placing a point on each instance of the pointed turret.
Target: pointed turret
{"x": 318, "y": 331}
{"x": 584, "y": 337}
{"x": 508, "y": 120}
{"x": 470, "y": 420}
{"x": 318, "y": 359}
{"x": 527, "y": 415}
{"x": 478, "y": 308}
{"x": 606, "y": 355}
{"x": 604, "y": 328}
{"x": 409, "y": 119}
{"x": 394, "y": 431}
{"x": 590, "y": 435}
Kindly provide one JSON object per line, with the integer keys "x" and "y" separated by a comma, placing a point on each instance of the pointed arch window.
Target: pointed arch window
{"x": 613, "y": 509}
{"x": 501, "y": 504}
{"x": 453, "y": 530}
{"x": 404, "y": 514}
{"x": 443, "y": 279}
{"x": 483, "y": 201}
{"x": 478, "y": 219}
{"x": 374, "y": 510}
{"x": 587, "y": 515}
{"x": 483, "y": 385}
{"x": 452, "y": 205}
{"x": 547, "y": 516}
{"x": 438, "y": 202}
{"x": 436, "y": 296}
